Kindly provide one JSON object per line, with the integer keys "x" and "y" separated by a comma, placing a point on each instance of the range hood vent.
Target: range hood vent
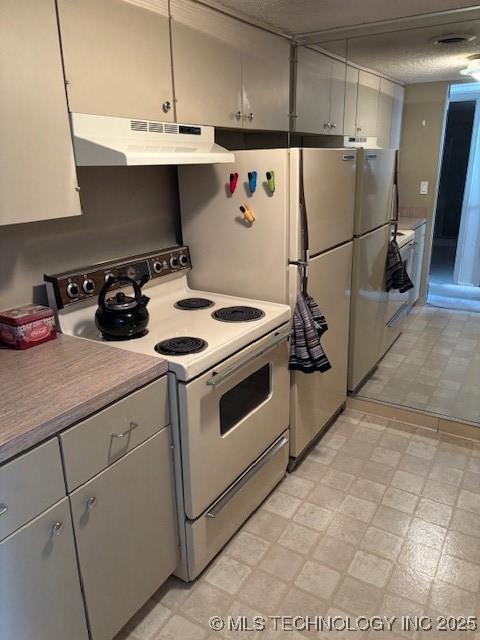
{"x": 111, "y": 141}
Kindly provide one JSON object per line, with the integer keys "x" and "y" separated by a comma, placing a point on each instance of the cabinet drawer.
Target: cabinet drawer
{"x": 29, "y": 485}
{"x": 92, "y": 445}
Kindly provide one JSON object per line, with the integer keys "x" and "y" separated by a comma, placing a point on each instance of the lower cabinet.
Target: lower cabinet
{"x": 40, "y": 597}
{"x": 125, "y": 528}
{"x": 417, "y": 263}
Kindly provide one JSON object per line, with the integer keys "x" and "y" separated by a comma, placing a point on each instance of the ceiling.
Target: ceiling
{"x": 301, "y": 17}
{"x": 411, "y": 56}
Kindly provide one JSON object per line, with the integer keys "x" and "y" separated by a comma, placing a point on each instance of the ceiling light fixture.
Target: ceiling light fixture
{"x": 453, "y": 39}
{"x": 473, "y": 67}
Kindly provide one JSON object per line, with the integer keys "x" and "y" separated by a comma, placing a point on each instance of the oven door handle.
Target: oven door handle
{"x": 242, "y": 481}
{"x": 218, "y": 378}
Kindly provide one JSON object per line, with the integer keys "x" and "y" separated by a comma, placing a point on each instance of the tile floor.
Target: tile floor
{"x": 433, "y": 366}
{"x": 381, "y": 518}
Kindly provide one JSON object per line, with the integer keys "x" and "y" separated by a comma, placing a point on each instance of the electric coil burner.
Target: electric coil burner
{"x": 181, "y": 346}
{"x": 238, "y": 314}
{"x": 190, "y": 304}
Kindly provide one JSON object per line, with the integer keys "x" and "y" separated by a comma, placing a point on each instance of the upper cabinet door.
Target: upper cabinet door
{"x": 351, "y": 91}
{"x": 367, "y": 104}
{"x": 397, "y": 114}
{"x": 385, "y": 113}
{"x": 266, "y": 79}
{"x": 117, "y": 57}
{"x": 207, "y": 65}
{"x": 337, "y": 97}
{"x": 37, "y": 169}
{"x": 313, "y": 90}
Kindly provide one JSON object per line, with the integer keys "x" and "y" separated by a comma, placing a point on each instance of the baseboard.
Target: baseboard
{"x": 441, "y": 424}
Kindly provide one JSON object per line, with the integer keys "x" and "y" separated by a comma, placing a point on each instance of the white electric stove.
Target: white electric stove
{"x": 229, "y": 388}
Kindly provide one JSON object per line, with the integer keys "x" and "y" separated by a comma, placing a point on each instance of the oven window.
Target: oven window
{"x": 243, "y": 398}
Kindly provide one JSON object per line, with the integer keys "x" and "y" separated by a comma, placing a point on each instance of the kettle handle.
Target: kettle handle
{"x": 108, "y": 285}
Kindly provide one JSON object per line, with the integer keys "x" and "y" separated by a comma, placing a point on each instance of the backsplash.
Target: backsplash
{"x": 126, "y": 210}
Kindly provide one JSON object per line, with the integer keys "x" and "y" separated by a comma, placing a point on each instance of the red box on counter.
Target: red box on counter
{"x": 27, "y": 326}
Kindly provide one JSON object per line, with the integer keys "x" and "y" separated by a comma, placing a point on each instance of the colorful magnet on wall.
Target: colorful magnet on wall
{"x": 271, "y": 180}
{"x": 233, "y": 182}
{"x": 248, "y": 214}
{"x": 252, "y": 181}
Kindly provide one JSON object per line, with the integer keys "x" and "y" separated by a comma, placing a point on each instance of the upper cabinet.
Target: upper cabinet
{"x": 351, "y": 93}
{"x": 265, "y": 79}
{"x": 117, "y": 57}
{"x": 37, "y": 168}
{"x": 397, "y": 115}
{"x": 320, "y": 93}
{"x": 385, "y": 112}
{"x": 367, "y": 104}
{"x": 227, "y": 73}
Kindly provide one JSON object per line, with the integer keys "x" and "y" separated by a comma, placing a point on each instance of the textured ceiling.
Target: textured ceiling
{"x": 307, "y": 16}
{"x": 411, "y": 56}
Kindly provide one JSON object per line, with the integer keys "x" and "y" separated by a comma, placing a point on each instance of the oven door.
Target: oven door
{"x": 230, "y": 415}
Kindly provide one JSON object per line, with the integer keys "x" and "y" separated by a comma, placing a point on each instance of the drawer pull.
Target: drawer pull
{"x": 91, "y": 503}
{"x": 3, "y": 509}
{"x": 133, "y": 425}
{"x": 57, "y": 528}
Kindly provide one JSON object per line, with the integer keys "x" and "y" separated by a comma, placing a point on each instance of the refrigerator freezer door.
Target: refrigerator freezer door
{"x": 374, "y": 198}
{"x": 316, "y": 397}
{"x": 229, "y": 254}
{"x": 329, "y": 186}
{"x": 369, "y": 304}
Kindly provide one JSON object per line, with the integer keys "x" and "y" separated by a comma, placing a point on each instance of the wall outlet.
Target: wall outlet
{"x": 424, "y": 187}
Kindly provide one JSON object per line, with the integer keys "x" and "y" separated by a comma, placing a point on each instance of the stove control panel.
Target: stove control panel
{"x": 82, "y": 284}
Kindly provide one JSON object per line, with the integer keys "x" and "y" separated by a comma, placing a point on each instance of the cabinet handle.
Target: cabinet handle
{"x": 326, "y": 125}
{"x": 91, "y": 503}
{"x": 133, "y": 425}
{"x": 251, "y": 116}
{"x": 359, "y": 128}
{"x": 238, "y": 115}
{"x": 3, "y": 509}
{"x": 166, "y": 106}
{"x": 334, "y": 125}
{"x": 57, "y": 528}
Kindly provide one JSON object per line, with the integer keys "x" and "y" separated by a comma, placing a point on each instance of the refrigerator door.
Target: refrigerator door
{"x": 316, "y": 397}
{"x": 369, "y": 304}
{"x": 230, "y": 255}
{"x": 374, "y": 189}
{"x": 329, "y": 188}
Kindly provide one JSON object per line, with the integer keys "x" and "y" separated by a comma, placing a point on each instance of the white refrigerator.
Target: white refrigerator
{"x": 372, "y": 232}
{"x": 232, "y": 255}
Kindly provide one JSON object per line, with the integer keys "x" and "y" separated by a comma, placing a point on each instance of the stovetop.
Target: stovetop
{"x": 168, "y": 321}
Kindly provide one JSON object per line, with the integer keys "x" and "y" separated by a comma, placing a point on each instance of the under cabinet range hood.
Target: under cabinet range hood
{"x": 111, "y": 141}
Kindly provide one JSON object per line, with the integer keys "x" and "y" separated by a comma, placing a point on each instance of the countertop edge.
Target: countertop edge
{"x": 42, "y": 432}
{"x": 410, "y": 223}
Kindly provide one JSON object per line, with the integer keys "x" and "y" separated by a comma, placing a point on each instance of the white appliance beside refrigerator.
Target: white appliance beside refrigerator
{"x": 373, "y": 225}
{"x": 254, "y": 260}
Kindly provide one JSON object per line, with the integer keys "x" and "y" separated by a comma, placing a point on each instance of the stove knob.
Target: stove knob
{"x": 157, "y": 266}
{"x": 73, "y": 290}
{"x": 174, "y": 262}
{"x": 88, "y": 286}
{"x": 183, "y": 260}
{"x": 109, "y": 277}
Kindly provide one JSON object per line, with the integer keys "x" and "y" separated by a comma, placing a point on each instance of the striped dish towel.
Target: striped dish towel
{"x": 309, "y": 324}
{"x": 396, "y": 276}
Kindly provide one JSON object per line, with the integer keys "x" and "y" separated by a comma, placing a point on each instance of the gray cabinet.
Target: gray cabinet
{"x": 125, "y": 528}
{"x": 228, "y": 73}
{"x": 117, "y": 57}
{"x": 320, "y": 93}
{"x": 417, "y": 263}
{"x": 397, "y": 115}
{"x": 40, "y": 595}
{"x": 37, "y": 168}
{"x": 351, "y": 93}
{"x": 367, "y": 104}
{"x": 385, "y": 113}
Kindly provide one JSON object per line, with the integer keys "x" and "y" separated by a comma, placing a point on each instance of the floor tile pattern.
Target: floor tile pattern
{"x": 433, "y": 366}
{"x": 397, "y": 533}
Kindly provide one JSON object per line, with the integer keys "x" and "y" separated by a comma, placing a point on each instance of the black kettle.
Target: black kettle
{"x": 122, "y": 317}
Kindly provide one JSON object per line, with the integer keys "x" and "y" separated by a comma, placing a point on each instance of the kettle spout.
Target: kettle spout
{"x": 144, "y": 300}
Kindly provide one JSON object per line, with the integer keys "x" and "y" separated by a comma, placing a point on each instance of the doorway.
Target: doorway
{"x": 452, "y": 279}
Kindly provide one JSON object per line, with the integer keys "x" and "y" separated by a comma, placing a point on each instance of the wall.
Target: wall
{"x": 127, "y": 210}
{"x": 420, "y": 151}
